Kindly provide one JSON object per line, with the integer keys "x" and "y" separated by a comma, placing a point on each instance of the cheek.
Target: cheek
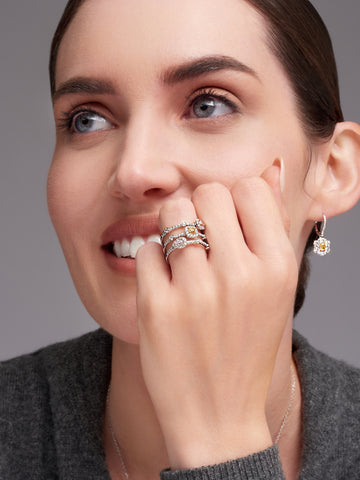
{"x": 244, "y": 151}
{"x": 61, "y": 197}
{"x": 71, "y": 194}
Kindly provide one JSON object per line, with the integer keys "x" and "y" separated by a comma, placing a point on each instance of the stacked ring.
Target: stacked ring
{"x": 197, "y": 224}
{"x": 192, "y": 234}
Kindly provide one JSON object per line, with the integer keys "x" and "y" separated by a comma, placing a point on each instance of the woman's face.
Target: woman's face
{"x": 153, "y": 99}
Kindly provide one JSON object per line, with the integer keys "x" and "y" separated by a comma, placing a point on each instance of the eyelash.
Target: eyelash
{"x": 65, "y": 123}
{"x": 211, "y": 92}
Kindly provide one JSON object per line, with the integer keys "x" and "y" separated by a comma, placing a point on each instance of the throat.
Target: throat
{"x": 133, "y": 419}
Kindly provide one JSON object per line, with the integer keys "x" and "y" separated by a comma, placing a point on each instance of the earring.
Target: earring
{"x": 321, "y": 245}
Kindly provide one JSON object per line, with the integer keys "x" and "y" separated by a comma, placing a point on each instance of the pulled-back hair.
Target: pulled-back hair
{"x": 299, "y": 39}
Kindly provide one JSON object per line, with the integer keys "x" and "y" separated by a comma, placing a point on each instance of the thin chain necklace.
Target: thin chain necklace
{"x": 116, "y": 444}
{"x": 292, "y": 396}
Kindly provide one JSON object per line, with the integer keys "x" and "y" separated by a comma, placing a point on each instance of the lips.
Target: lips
{"x": 123, "y": 238}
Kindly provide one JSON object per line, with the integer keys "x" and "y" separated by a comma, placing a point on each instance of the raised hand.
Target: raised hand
{"x": 210, "y": 323}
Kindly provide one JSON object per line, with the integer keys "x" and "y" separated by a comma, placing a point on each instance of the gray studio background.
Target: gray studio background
{"x": 38, "y": 302}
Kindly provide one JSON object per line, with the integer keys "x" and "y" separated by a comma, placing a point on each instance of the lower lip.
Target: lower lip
{"x": 122, "y": 265}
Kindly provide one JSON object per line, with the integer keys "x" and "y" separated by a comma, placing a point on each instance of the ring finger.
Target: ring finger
{"x": 185, "y": 246}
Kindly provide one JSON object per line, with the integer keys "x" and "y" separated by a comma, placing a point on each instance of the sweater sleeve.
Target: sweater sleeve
{"x": 265, "y": 465}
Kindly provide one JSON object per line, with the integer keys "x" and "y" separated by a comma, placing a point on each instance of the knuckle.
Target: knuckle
{"x": 250, "y": 187}
{"x": 284, "y": 273}
{"x": 175, "y": 208}
{"x": 208, "y": 191}
{"x": 248, "y": 183}
{"x": 239, "y": 279}
{"x": 200, "y": 292}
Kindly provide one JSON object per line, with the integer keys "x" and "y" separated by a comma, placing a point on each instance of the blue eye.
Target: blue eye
{"x": 206, "y": 106}
{"x": 88, "y": 122}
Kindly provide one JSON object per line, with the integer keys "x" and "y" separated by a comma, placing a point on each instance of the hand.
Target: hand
{"x": 210, "y": 325}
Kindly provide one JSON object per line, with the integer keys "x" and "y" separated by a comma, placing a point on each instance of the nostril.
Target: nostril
{"x": 155, "y": 192}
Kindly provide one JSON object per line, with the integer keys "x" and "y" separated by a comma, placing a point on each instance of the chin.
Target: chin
{"x": 120, "y": 321}
{"x": 109, "y": 298}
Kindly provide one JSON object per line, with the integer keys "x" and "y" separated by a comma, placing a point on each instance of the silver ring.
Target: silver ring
{"x": 197, "y": 224}
{"x": 182, "y": 242}
{"x": 190, "y": 232}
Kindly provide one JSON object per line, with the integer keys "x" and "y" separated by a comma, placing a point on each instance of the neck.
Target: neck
{"x": 135, "y": 423}
{"x": 133, "y": 417}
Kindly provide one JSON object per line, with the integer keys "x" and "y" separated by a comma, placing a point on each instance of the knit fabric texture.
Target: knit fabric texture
{"x": 52, "y": 405}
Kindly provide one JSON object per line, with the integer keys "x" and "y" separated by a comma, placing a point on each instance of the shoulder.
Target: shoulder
{"x": 324, "y": 373}
{"x": 331, "y": 412}
{"x": 33, "y": 371}
{"x": 26, "y": 379}
{"x": 37, "y": 390}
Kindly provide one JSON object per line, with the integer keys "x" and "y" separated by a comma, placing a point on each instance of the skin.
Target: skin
{"x": 191, "y": 337}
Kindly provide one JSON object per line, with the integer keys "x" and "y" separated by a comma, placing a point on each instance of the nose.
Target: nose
{"x": 145, "y": 166}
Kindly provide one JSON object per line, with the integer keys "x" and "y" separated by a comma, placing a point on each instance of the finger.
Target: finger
{"x": 275, "y": 177}
{"x": 215, "y": 206}
{"x": 185, "y": 263}
{"x": 260, "y": 216}
{"x": 152, "y": 275}
{"x": 150, "y": 267}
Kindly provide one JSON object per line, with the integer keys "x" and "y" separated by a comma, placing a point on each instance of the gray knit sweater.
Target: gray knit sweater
{"x": 52, "y": 401}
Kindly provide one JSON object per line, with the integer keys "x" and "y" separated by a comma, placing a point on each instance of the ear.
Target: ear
{"x": 336, "y": 181}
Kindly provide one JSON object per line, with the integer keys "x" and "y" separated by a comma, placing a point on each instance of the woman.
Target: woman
{"x": 163, "y": 118}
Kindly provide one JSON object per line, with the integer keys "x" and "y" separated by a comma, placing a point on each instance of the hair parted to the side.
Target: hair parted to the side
{"x": 300, "y": 40}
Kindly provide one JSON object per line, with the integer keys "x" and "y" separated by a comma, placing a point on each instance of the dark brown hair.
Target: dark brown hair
{"x": 70, "y": 11}
{"x": 299, "y": 39}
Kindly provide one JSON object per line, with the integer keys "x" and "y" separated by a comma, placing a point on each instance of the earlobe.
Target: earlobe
{"x": 338, "y": 188}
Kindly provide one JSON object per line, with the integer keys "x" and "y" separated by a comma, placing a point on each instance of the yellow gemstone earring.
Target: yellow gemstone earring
{"x": 321, "y": 245}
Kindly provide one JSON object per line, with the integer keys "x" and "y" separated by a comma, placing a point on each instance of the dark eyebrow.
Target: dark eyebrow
{"x": 200, "y": 66}
{"x": 186, "y": 71}
{"x": 84, "y": 85}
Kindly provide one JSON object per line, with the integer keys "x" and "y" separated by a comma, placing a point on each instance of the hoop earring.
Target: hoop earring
{"x": 321, "y": 245}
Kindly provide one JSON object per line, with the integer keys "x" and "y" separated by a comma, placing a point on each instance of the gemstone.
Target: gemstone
{"x": 180, "y": 243}
{"x": 322, "y": 246}
{"x": 191, "y": 232}
{"x": 199, "y": 224}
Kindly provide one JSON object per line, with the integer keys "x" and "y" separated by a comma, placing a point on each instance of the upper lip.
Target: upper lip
{"x": 142, "y": 226}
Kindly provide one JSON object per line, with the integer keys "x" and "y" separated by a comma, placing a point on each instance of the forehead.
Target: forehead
{"x": 146, "y": 35}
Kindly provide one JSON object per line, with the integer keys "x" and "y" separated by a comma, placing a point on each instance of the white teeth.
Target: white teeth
{"x": 135, "y": 244}
{"x": 122, "y": 249}
{"x": 126, "y": 248}
{"x": 117, "y": 248}
{"x": 154, "y": 238}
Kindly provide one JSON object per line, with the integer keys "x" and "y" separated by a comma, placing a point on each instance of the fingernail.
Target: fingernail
{"x": 282, "y": 175}
{"x": 279, "y": 162}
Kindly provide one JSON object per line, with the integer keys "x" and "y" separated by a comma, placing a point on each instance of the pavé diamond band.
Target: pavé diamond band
{"x": 182, "y": 242}
{"x": 192, "y": 234}
{"x": 197, "y": 224}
